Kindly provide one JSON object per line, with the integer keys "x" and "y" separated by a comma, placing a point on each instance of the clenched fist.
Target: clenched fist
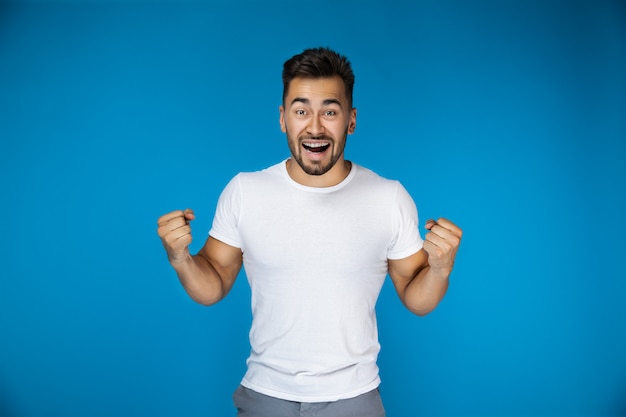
{"x": 175, "y": 233}
{"x": 442, "y": 243}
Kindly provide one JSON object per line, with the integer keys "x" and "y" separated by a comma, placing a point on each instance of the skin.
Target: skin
{"x": 315, "y": 112}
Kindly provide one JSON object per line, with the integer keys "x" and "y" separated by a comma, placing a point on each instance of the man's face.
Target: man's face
{"x": 317, "y": 117}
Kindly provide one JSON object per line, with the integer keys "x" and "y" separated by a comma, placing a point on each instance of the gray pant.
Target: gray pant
{"x": 250, "y": 403}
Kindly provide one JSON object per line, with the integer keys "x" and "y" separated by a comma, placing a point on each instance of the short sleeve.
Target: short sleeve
{"x": 226, "y": 220}
{"x": 406, "y": 237}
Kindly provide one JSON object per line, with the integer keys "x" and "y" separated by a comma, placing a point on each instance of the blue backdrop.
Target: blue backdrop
{"x": 508, "y": 117}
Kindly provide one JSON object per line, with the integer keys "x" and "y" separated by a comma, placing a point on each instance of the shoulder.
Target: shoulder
{"x": 265, "y": 174}
{"x": 367, "y": 177}
{"x": 257, "y": 182}
{"x": 386, "y": 188}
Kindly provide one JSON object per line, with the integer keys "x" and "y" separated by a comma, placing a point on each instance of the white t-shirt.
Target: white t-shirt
{"x": 315, "y": 259}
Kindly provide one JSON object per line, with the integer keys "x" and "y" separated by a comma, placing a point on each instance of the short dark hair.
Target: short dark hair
{"x": 318, "y": 63}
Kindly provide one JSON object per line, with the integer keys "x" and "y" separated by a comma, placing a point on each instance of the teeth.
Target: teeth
{"x": 316, "y": 145}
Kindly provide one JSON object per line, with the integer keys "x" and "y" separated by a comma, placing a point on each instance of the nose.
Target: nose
{"x": 315, "y": 127}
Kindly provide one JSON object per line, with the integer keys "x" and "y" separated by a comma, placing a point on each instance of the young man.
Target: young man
{"x": 317, "y": 235}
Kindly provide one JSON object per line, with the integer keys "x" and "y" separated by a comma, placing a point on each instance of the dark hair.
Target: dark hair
{"x": 318, "y": 63}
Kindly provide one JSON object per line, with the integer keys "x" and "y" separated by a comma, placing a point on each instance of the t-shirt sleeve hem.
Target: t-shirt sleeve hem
{"x": 406, "y": 252}
{"x": 225, "y": 239}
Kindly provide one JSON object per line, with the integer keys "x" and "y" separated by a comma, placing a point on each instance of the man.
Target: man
{"x": 317, "y": 235}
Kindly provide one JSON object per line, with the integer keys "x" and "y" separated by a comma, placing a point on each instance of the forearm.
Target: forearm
{"x": 200, "y": 279}
{"x": 426, "y": 290}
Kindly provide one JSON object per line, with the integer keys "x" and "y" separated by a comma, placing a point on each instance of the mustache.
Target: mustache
{"x": 316, "y": 137}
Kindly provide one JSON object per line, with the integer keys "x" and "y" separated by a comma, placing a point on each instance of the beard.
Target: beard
{"x": 316, "y": 168}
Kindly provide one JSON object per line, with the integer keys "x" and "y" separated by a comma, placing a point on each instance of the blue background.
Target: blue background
{"x": 508, "y": 117}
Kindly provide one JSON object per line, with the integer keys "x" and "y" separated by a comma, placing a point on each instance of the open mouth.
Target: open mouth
{"x": 316, "y": 147}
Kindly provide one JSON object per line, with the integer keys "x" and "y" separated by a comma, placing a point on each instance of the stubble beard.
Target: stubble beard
{"x": 316, "y": 168}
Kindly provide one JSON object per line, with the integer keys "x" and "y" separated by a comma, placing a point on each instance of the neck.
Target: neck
{"x": 337, "y": 173}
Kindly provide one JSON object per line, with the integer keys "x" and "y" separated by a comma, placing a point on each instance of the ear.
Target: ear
{"x": 283, "y": 127}
{"x": 352, "y": 121}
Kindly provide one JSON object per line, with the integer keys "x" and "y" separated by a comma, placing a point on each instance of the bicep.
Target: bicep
{"x": 226, "y": 260}
{"x": 402, "y": 271}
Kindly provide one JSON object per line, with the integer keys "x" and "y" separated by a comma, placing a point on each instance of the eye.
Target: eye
{"x": 300, "y": 112}
{"x": 330, "y": 114}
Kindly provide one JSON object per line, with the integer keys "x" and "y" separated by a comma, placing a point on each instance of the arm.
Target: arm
{"x": 210, "y": 274}
{"x": 421, "y": 280}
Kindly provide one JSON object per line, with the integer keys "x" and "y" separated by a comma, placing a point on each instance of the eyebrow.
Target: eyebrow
{"x": 306, "y": 101}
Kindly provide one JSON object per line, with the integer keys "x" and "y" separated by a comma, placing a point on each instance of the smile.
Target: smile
{"x": 316, "y": 147}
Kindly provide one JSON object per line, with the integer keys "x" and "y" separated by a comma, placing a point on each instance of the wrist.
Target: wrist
{"x": 180, "y": 259}
{"x": 440, "y": 272}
